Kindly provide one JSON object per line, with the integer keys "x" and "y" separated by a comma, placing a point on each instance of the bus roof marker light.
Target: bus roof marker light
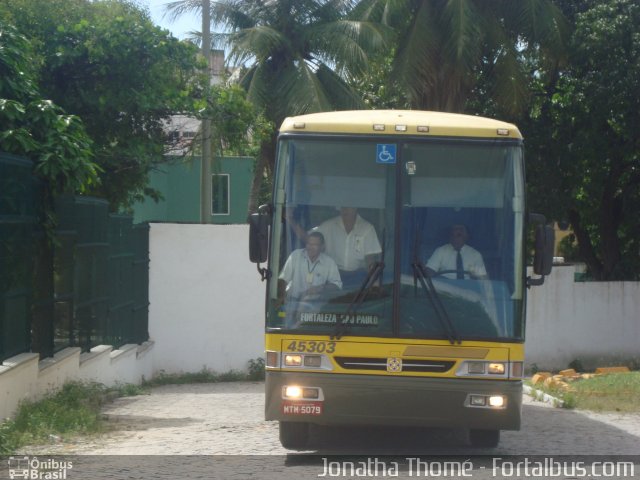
{"x": 401, "y": 128}
{"x": 423, "y": 129}
{"x": 299, "y": 125}
{"x": 503, "y": 131}
{"x": 378, "y": 127}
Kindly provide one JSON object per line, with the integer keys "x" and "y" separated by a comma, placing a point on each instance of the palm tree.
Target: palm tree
{"x": 297, "y": 56}
{"x": 445, "y": 46}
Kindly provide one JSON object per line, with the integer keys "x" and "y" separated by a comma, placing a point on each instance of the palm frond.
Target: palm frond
{"x": 260, "y": 42}
{"x": 510, "y": 83}
{"x": 332, "y": 10}
{"x": 235, "y": 14}
{"x": 256, "y": 82}
{"x": 417, "y": 59}
{"x": 342, "y": 96}
{"x": 386, "y": 12}
{"x": 540, "y": 22}
{"x": 302, "y": 91}
{"x": 347, "y": 44}
{"x": 463, "y": 42}
{"x": 178, "y": 8}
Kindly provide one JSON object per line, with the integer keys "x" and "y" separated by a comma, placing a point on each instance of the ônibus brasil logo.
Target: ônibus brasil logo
{"x": 35, "y": 469}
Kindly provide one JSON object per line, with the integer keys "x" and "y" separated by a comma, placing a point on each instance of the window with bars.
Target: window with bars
{"x": 220, "y": 194}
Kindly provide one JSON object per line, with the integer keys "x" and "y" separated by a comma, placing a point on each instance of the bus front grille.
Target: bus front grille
{"x": 366, "y": 363}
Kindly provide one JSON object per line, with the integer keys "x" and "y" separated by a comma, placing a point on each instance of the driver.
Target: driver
{"x": 456, "y": 259}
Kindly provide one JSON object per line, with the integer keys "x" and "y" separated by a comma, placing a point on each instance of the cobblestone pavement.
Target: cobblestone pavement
{"x": 227, "y": 419}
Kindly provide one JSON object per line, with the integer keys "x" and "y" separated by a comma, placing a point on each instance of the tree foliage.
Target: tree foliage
{"x": 298, "y": 57}
{"x": 238, "y": 126}
{"x": 36, "y": 128}
{"x": 443, "y": 48}
{"x": 106, "y": 62}
{"x": 584, "y": 138}
{"x": 297, "y": 53}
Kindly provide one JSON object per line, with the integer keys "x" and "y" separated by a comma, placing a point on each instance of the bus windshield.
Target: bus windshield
{"x": 398, "y": 237}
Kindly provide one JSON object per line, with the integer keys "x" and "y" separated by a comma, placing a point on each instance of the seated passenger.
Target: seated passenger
{"x": 350, "y": 240}
{"x": 456, "y": 259}
{"x": 308, "y": 271}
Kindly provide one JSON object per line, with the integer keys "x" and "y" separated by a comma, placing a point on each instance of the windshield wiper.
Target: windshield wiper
{"x": 420, "y": 272}
{"x": 375, "y": 272}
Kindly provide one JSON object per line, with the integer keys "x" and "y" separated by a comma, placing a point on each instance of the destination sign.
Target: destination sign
{"x": 319, "y": 318}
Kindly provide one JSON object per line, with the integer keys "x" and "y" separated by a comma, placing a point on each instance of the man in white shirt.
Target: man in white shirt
{"x": 308, "y": 271}
{"x": 456, "y": 259}
{"x": 351, "y": 241}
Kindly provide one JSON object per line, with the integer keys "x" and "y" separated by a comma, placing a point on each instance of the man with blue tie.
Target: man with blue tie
{"x": 456, "y": 259}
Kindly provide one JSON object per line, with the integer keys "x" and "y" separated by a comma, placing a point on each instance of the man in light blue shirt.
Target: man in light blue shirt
{"x": 308, "y": 271}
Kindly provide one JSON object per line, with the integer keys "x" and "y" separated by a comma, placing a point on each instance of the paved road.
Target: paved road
{"x": 226, "y": 419}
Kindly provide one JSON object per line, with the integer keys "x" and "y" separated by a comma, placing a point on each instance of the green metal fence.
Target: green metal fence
{"x": 103, "y": 282}
{"x": 17, "y": 225}
{"x": 88, "y": 287}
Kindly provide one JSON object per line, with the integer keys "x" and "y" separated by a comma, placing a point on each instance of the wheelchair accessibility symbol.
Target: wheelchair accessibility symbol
{"x": 386, "y": 153}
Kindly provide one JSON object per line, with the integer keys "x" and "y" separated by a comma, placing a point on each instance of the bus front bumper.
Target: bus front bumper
{"x": 394, "y": 401}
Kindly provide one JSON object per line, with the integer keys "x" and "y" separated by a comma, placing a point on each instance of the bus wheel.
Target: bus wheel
{"x": 294, "y": 435}
{"x": 484, "y": 438}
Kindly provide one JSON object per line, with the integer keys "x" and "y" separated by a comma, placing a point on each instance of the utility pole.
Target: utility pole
{"x": 205, "y": 169}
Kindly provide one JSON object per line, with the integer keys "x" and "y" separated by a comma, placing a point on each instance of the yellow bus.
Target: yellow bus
{"x": 408, "y": 309}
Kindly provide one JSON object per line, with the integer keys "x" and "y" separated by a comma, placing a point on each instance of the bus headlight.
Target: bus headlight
{"x": 293, "y": 392}
{"x": 306, "y": 361}
{"x": 479, "y": 400}
{"x": 496, "y": 368}
{"x": 487, "y": 369}
{"x": 313, "y": 361}
{"x": 476, "y": 368}
{"x": 296, "y": 392}
{"x": 292, "y": 360}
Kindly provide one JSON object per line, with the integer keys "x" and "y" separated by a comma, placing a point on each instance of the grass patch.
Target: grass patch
{"x": 73, "y": 410}
{"x": 255, "y": 372}
{"x": 615, "y": 392}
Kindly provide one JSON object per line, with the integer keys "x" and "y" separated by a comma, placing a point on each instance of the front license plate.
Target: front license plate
{"x": 301, "y": 408}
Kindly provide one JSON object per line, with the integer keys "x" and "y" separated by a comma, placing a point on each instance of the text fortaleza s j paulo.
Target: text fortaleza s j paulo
{"x": 499, "y": 467}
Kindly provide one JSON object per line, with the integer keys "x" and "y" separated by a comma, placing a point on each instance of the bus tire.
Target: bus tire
{"x": 294, "y": 435}
{"x": 484, "y": 438}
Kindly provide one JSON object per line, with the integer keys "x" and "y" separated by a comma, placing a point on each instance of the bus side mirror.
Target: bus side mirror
{"x": 543, "y": 252}
{"x": 258, "y": 237}
{"x": 543, "y": 256}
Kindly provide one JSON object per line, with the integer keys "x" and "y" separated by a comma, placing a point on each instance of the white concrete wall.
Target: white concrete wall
{"x": 25, "y": 378}
{"x": 596, "y": 323}
{"x": 18, "y": 382}
{"x": 207, "y": 307}
{"x": 206, "y": 298}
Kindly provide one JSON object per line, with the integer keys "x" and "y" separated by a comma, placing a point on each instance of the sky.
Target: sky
{"x": 180, "y": 27}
